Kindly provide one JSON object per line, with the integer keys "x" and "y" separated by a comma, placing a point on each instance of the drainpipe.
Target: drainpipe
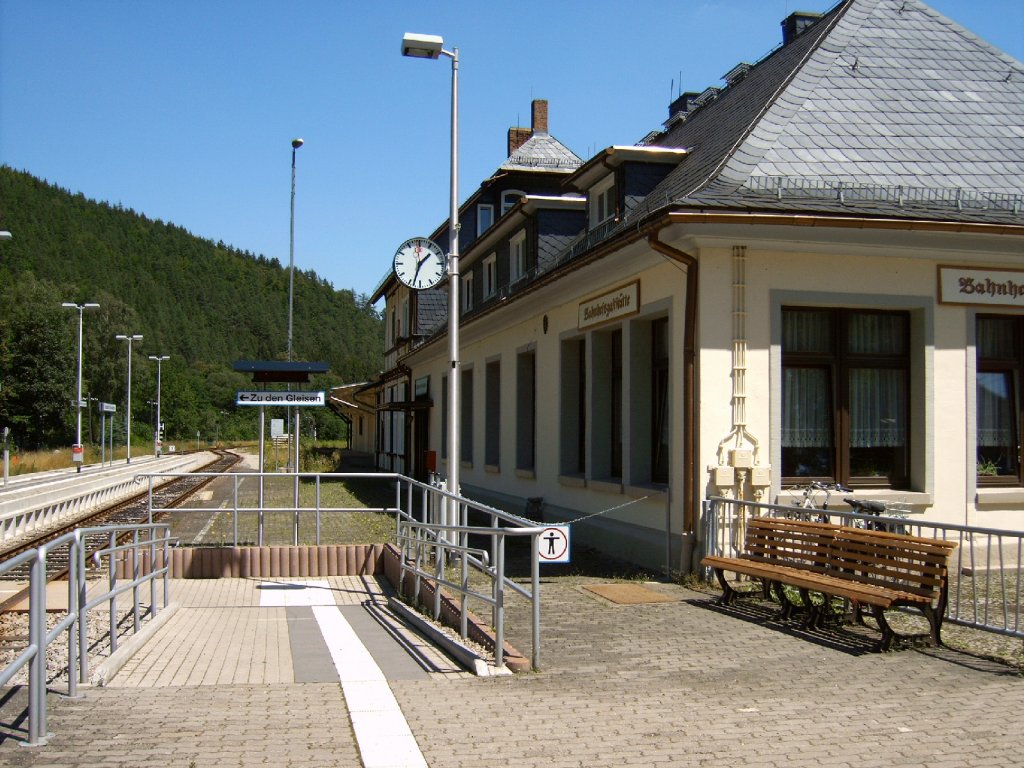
{"x": 689, "y": 374}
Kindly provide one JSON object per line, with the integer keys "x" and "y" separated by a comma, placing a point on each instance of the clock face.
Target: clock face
{"x": 420, "y": 263}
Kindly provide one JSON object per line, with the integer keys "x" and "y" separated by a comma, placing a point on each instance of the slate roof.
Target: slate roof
{"x": 542, "y": 152}
{"x": 882, "y": 107}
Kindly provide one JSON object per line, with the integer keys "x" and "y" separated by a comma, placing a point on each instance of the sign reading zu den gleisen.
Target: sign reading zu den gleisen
{"x": 280, "y": 398}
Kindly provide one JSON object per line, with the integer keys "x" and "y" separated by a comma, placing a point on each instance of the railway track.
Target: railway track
{"x": 131, "y": 511}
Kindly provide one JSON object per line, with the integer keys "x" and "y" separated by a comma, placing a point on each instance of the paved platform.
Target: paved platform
{"x": 678, "y": 683}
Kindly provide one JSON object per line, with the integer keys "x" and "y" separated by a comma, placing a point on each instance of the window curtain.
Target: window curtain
{"x": 806, "y": 409}
{"x": 997, "y": 341}
{"x": 995, "y": 410}
{"x": 877, "y": 408}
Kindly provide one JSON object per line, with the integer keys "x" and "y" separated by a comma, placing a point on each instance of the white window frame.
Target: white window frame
{"x": 490, "y": 276}
{"x": 467, "y": 292}
{"x": 517, "y": 255}
{"x": 602, "y": 201}
{"x": 509, "y": 198}
{"x": 484, "y": 211}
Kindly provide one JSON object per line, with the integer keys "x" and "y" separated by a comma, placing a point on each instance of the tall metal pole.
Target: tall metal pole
{"x": 432, "y": 47}
{"x": 296, "y": 143}
{"x": 77, "y": 451}
{"x": 128, "y": 405}
{"x": 293, "y": 428}
{"x": 454, "y": 385}
{"x": 156, "y": 431}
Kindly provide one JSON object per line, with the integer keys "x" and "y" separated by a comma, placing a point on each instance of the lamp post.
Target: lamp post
{"x": 156, "y": 432}
{"x": 76, "y": 451}
{"x": 128, "y": 405}
{"x": 5, "y": 235}
{"x": 431, "y": 47}
{"x": 296, "y": 143}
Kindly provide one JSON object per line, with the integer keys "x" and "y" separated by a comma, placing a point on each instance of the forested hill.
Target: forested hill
{"x": 205, "y": 304}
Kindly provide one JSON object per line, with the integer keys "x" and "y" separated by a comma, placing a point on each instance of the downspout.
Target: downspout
{"x": 689, "y": 374}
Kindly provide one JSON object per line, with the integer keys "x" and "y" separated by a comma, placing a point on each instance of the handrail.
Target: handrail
{"x": 76, "y": 621}
{"x": 422, "y": 543}
{"x": 444, "y": 543}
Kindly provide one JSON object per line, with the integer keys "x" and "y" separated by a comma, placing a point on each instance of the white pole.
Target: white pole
{"x": 454, "y": 385}
{"x": 129, "y": 337}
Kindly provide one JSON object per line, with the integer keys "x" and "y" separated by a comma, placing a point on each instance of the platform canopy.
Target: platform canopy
{"x": 279, "y": 371}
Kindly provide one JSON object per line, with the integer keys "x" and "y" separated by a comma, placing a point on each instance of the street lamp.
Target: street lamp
{"x": 76, "y": 450}
{"x": 128, "y": 406}
{"x": 296, "y": 143}
{"x": 156, "y": 432}
{"x": 431, "y": 47}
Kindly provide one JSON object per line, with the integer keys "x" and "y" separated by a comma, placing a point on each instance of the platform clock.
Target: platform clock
{"x": 420, "y": 263}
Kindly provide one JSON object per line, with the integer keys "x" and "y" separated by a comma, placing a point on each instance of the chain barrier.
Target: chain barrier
{"x": 587, "y": 517}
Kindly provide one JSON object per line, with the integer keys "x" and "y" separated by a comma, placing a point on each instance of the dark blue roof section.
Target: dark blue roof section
{"x": 279, "y": 370}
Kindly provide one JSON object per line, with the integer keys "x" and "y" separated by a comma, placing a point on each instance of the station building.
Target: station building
{"x": 815, "y": 270}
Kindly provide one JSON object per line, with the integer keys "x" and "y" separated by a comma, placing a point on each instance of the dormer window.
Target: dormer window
{"x": 509, "y": 198}
{"x": 517, "y": 255}
{"x": 467, "y": 292}
{"x": 602, "y": 202}
{"x": 490, "y": 276}
{"x": 484, "y": 217}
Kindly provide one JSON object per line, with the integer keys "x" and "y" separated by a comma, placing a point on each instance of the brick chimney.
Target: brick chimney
{"x": 516, "y": 138}
{"x": 539, "y": 119}
{"x": 538, "y": 125}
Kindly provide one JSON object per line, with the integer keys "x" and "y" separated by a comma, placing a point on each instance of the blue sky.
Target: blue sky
{"x": 185, "y": 111}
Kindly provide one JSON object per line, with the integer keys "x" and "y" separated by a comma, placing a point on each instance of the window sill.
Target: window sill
{"x": 526, "y": 474}
{"x": 914, "y": 498}
{"x": 494, "y": 469}
{"x": 466, "y": 464}
{"x": 572, "y": 481}
{"x": 610, "y": 485}
{"x": 643, "y": 490}
{"x": 999, "y": 496}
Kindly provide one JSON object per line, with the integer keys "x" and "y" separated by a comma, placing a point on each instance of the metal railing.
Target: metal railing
{"x": 430, "y": 545}
{"x": 985, "y": 575}
{"x": 75, "y": 623}
{"x": 439, "y": 547}
{"x": 248, "y": 498}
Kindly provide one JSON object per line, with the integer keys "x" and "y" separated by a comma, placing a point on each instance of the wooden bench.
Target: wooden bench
{"x": 873, "y": 569}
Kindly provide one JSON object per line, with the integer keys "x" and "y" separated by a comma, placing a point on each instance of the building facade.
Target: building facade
{"x": 815, "y": 271}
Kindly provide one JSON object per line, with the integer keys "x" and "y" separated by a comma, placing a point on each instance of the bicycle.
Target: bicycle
{"x": 896, "y": 509}
{"x": 810, "y": 493}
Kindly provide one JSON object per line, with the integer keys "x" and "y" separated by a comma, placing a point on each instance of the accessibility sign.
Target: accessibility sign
{"x": 553, "y": 544}
{"x": 281, "y": 398}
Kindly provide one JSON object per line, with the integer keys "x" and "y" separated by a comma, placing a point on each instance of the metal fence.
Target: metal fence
{"x": 451, "y": 540}
{"x": 146, "y": 538}
{"x": 985, "y": 573}
{"x": 448, "y": 538}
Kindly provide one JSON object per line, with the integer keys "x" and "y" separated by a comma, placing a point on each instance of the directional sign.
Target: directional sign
{"x": 281, "y": 398}
{"x": 553, "y": 544}
{"x": 108, "y": 407}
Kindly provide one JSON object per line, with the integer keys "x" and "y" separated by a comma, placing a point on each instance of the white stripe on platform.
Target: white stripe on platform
{"x": 384, "y": 737}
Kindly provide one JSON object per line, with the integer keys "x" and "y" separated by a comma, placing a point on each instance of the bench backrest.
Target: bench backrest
{"x": 908, "y": 563}
{"x": 800, "y": 543}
